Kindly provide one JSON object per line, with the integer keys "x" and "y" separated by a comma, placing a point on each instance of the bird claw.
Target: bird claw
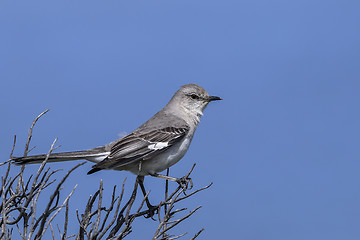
{"x": 184, "y": 183}
{"x": 151, "y": 212}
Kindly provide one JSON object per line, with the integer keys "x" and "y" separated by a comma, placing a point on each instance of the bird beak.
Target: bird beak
{"x": 214, "y": 98}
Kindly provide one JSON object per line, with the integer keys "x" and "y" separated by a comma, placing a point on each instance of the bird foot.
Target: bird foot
{"x": 152, "y": 211}
{"x": 184, "y": 183}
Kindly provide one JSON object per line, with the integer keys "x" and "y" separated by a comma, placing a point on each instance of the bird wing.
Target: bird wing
{"x": 141, "y": 146}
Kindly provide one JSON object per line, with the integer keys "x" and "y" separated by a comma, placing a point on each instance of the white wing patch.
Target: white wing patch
{"x": 98, "y": 157}
{"x": 158, "y": 145}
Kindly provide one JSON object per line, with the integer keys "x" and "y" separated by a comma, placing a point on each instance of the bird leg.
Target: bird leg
{"x": 152, "y": 209}
{"x": 183, "y": 182}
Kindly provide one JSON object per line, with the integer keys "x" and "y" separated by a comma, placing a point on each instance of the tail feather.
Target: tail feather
{"x": 94, "y": 170}
{"x": 94, "y": 155}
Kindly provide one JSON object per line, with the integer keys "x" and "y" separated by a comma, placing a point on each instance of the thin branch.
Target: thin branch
{"x": 52, "y": 198}
{"x": 66, "y": 221}
{"x": 180, "y": 220}
{"x": 57, "y": 212}
{"x": 31, "y": 130}
{"x": 197, "y": 234}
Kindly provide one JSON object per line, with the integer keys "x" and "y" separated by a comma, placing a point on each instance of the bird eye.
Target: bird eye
{"x": 194, "y": 96}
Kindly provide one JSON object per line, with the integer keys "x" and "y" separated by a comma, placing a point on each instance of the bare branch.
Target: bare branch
{"x": 31, "y": 130}
{"x": 66, "y": 221}
{"x": 58, "y": 210}
{"x": 48, "y": 211}
{"x": 197, "y": 234}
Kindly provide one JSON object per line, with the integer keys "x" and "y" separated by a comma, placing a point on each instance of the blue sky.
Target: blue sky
{"x": 282, "y": 148}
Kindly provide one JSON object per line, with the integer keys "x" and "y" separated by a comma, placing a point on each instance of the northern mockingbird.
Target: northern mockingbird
{"x": 151, "y": 148}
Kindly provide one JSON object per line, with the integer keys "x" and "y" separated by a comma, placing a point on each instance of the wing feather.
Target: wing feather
{"x": 140, "y": 146}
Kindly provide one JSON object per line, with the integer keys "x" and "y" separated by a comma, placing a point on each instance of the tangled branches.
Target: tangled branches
{"x": 20, "y": 210}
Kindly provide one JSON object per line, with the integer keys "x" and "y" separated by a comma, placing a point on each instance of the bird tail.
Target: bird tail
{"x": 94, "y": 155}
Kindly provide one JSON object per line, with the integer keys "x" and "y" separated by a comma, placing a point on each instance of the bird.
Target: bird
{"x": 156, "y": 145}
